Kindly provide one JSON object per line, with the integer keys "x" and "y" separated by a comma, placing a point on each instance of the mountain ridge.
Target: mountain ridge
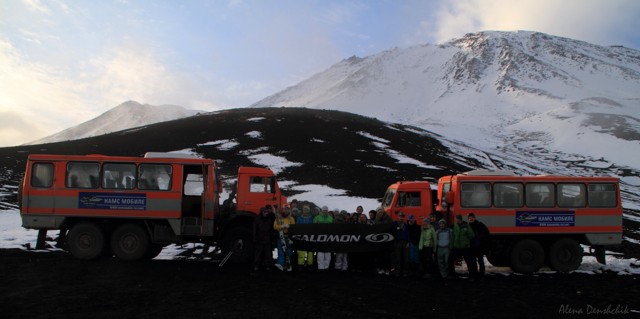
{"x": 488, "y": 87}
{"x": 124, "y": 116}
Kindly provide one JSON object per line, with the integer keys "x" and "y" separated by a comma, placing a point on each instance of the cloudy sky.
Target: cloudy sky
{"x": 65, "y": 62}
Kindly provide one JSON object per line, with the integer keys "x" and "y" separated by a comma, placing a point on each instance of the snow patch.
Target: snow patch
{"x": 254, "y": 134}
{"x": 276, "y": 163}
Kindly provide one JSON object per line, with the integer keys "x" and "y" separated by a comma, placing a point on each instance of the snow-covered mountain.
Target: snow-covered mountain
{"x": 542, "y": 103}
{"x": 127, "y": 115}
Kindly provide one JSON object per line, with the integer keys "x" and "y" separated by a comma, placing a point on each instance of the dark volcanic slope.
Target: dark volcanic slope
{"x": 337, "y": 149}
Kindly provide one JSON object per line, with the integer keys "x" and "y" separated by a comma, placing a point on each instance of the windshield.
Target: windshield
{"x": 388, "y": 197}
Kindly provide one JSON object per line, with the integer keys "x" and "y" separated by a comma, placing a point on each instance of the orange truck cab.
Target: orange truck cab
{"x": 131, "y": 206}
{"x": 411, "y": 198}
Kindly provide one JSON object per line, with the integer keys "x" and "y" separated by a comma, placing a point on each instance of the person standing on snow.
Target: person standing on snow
{"x": 324, "y": 258}
{"x": 305, "y": 258}
{"x": 444, "y": 242}
{"x": 341, "y": 262}
{"x": 401, "y": 246}
{"x": 383, "y": 259}
{"x": 479, "y": 244}
{"x": 426, "y": 246}
{"x": 414, "y": 241}
{"x": 462, "y": 236}
{"x": 262, "y": 236}
{"x": 281, "y": 225}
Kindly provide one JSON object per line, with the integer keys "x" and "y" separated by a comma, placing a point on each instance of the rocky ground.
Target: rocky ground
{"x": 55, "y": 285}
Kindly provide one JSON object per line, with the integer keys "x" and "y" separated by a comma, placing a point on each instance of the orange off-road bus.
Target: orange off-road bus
{"x": 532, "y": 220}
{"x": 133, "y": 206}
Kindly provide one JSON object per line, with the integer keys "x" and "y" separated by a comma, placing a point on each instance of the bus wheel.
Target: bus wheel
{"x": 130, "y": 242}
{"x": 527, "y": 256}
{"x": 565, "y": 255}
{"x": 239, "y": 241}
{"x": 85, "y": 241}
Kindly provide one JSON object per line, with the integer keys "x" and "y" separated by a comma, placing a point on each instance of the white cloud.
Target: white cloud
{"x": 49, "y": 99}
{"x": 131, "y": 74}
{"x": 35, "y": 5}
{"x": 39, "y": 94}
{"x": 599, "y": 22}
{"x": 15, "y": 129}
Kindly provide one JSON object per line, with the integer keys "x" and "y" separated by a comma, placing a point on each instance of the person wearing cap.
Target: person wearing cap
{"x": 462, "y": 236}
{"x": 281, "y": 225}
{"x": 305, "y": 258}
{"x": 444, "y": 242}
{"x": 262, "y": 236}
{"x": 426, "y": 246}
{"x": 324, "y": 258}
{"x": 479, "y": 244}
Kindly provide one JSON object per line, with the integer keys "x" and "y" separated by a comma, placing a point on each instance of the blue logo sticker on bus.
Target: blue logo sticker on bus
{"x": 545, "y": 219}
{"x": 116, "y": 201}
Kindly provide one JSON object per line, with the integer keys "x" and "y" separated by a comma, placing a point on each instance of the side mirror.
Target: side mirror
{"x": 449, "y": 198}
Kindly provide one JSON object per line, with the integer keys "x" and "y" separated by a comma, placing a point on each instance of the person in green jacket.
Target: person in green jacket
{"x": 462, "y": 236}
{"x": 324, "y": 258}
{"x": 426, "y": 247}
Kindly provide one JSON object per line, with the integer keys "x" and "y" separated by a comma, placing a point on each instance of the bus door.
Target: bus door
{"x": 193, "y": 199}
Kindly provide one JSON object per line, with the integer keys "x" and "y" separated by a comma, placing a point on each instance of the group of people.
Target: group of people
{"x": 428, "y": 250}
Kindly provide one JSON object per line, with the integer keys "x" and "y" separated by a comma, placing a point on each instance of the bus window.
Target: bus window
{"x": 475, "y": 195}
{"x": 571, "y": 195}
{"x": 42, "y": 175}
{"x": 388, "y": 197}
{"x": 540, "y": 195}
{"x": 83, "y": 175}
{"x": 602, "y": 195}
{"x": 446, "y": 187}
{"x": 118, "y": 175}
{"x": 154, "y": 177}
{"x": 409, "y": 199}
{"x": 261, "y": 184}
{"x": 194, "y": 185}
{"x": 507, "y": 194}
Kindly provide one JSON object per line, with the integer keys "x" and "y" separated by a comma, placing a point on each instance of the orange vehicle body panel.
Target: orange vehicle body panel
{"x": 409, "y": 197}
{"x": 45, "y": 204}
{"x": 524, "y": 219}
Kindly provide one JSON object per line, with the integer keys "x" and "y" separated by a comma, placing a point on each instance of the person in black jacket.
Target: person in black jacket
{"x": 479, "y": 243}
{"x": 414, "y": 241}
{"x": 262, "y": 236}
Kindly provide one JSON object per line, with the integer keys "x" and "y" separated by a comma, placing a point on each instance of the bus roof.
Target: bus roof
{"x": 105, "y": 158}
{"x": 534, "y": 178}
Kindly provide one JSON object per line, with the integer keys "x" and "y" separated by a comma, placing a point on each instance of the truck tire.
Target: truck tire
{"x": 527, "y": 256}
{"x": 85, "y": 240}
{"x": 130, "y": 242}
{"x": 239, "y": 241}
{"x": 565, "y": 255}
